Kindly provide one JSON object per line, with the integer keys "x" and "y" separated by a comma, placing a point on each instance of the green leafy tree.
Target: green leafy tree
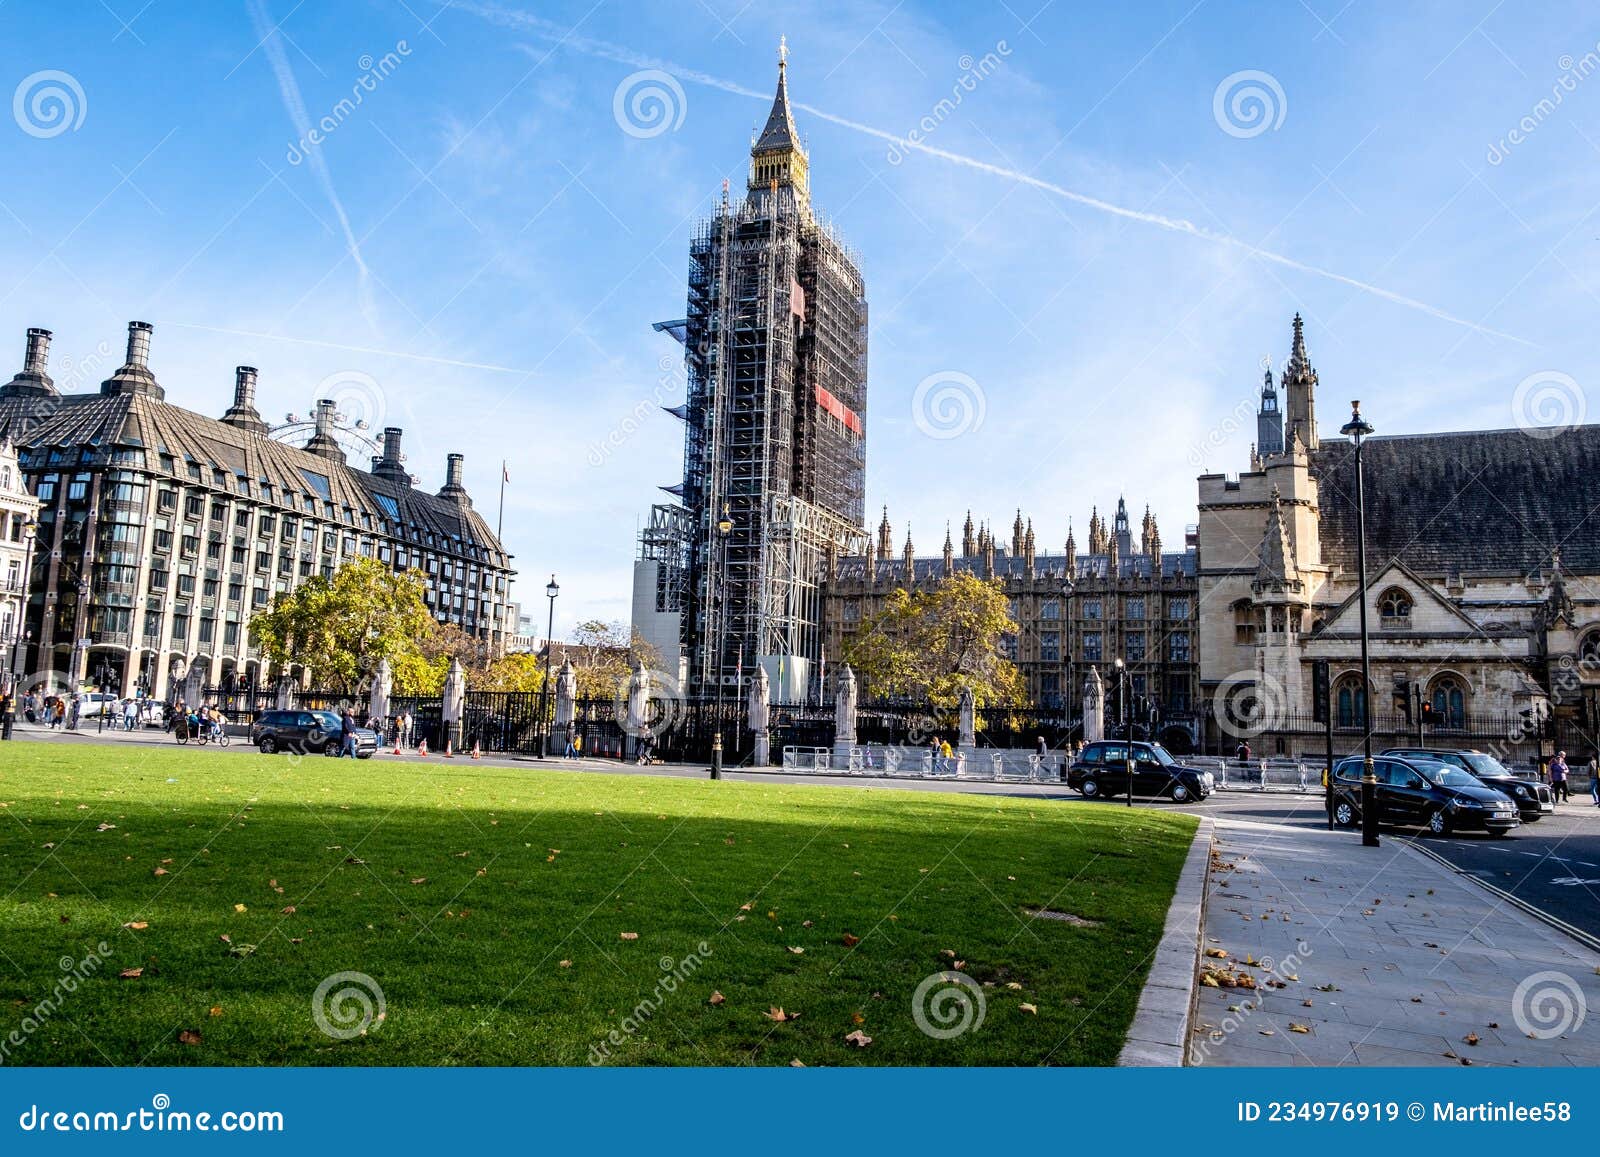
{"x": 603, "y": 655}
{"x": 521, "y": 671}
{"x": 928, "y": 643}
{"x": 339, "y": 628}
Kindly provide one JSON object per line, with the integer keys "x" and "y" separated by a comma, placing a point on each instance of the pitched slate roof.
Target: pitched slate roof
{"x": 98, "y": 422}
{"x": 780, "y": 132}
{"x": 1498, "y": 501}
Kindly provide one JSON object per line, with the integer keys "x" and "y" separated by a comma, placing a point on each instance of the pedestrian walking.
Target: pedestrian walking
{"x": 130, "y": 714}
{"x": 944, "y": 753}
{"x": 1242, "y": 752}
{"x": 347, "y": 734}
{"x": 933, "y": 755}
{"x": 1594, "y": 778}
{"x": 572, "y": 748}
{"x": 1558, "y": 778}
{"x": 74, "y": 711}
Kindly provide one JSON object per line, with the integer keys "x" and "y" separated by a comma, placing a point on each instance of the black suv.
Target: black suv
{"x": 307, "y": 732}
{"x": 1422, "y": 793}
{"x": 1531, "y": 797}
{"x": 1102, "y": 769}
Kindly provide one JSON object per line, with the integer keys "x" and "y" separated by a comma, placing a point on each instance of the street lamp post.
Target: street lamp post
{"x": 1357, "y": 429}
{"x": 551, "y": 590}
{"x": 1127, "y": 729}
{"x": 724, "y": 528}
{"x": 30, "y": 530}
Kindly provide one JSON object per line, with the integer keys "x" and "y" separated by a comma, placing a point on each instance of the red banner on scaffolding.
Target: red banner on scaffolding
{"x": 838, "y": 409}
{"x": 797, "y": 299}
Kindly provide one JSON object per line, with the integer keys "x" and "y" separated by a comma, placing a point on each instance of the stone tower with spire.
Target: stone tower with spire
{"x": 1300, "y": 384}
{"x": 775, "y": 353}
{"x": 1269, "y": 420}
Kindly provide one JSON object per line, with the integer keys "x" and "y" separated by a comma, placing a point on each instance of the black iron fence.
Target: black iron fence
{"x": 1507, "y": 736}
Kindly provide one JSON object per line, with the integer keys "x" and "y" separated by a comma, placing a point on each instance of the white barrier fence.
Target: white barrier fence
{"x": 995, "y": 765}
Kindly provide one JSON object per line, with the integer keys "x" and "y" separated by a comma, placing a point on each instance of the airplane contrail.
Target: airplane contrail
{"x": 560, "y": 37}
{"x": 295, "y": 105}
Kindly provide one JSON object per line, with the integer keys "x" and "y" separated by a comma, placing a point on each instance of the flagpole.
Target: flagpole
{"x": 500, "y": 519}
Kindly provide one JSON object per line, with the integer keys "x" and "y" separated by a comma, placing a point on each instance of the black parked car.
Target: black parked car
{"x": 1102, "y": 769}
{"x": 307, "y": 732}
{"x": 1422, "y": 793}
{"x": 1531, "y": 797}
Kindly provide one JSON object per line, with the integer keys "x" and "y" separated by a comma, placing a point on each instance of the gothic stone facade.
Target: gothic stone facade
{"x": 1483, "y": 585}
{"x": 1073, "y": 611}
{"x": 161, "y": 531}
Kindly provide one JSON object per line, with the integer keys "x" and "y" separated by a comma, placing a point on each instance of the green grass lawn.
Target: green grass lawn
{"x": 521, "y": 916}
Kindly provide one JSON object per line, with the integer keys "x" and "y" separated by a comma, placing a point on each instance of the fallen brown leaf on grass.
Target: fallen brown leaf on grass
{"x": 563, "y": 964}
{"x": 1029, "y": 1008}
{"x": 629, "y": 935}
{"x": 159, "y": 872}
{"x": 1014, "y": 986}
{"x": 780, "y": 1016}
{"x": 189, "y": 1036}
{"x": 797, "y": 951}
{"x": 137, "y": 925}
{"x": 419, "y": 879}
{"x": 130, "y": 974}
{"x": 716, "y": 998}
{"x": 216, "y": 1010}
{"x": 797, "y": 1063}
{"x": 858, "y": 1038}
{"x": 289, "y": 911}
{"x": 105, "y": 827}
{"x": 240, "y": 908}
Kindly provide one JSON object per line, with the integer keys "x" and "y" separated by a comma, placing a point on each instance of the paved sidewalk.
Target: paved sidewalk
{"x": 1383, "y": 957}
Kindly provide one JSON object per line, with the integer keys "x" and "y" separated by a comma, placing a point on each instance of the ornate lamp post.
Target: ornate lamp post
{"x": 724, "y": 528}
{"x": 1357, "y": 429}
{"x": 551, "y": 590}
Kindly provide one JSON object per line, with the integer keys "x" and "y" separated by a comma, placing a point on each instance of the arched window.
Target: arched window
{"x": 5, "y": 478}
{"x": 1449, "y": 699}
{"x": 1589, "y": 648}
{"x": 1394, "y": 609}
{"x": 1351, "y": 701}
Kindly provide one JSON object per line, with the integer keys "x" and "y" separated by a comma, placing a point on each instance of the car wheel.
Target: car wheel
{"x": 1180, "y": 794}
{"x": 1439, "y": 823}
{"x": 1090, "y": 788}
{"x": 1344, "y": 815}
{"x": 268, "y": 745}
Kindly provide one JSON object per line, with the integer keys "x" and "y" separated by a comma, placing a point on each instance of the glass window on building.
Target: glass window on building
{"x": 1092, "y": 652}
{"x": 1091, "y": 609}
{"x": 1135, "y": 608}
{"x": 1178, "y": 647}
{"x": 1135, "y": 646}
{"x": 1177, "y": 608}
{"x": 1050, "y": 646}
{"x": 1050, "y": 610}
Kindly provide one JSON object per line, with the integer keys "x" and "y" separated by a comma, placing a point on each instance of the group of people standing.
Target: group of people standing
{"x": 1559, "y": 774}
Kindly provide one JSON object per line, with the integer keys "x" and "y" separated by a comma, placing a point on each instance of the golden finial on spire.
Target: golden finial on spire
{"x": 783, "y": 51}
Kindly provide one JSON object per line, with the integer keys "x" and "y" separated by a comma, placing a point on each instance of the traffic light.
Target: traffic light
{"x": 1402, "y": 699}
{"x": 1427, "y": 713}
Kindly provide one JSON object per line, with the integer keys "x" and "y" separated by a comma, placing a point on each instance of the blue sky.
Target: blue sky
{"x": 477, "y": 250}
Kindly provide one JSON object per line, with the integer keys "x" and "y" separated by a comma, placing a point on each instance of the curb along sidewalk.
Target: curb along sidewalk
{"x": 1161, "y": 1024}
{"x": 1318, "y": 951}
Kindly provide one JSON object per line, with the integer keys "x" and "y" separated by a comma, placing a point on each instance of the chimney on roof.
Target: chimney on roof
{"x": 452, "y": 488}
{"x": 323, "y": 441}
{"x": 34, "y": 380}
{"x": 243, "y": 413}
{"x": 392, "y": 462}
{"x": 135, "y": 377}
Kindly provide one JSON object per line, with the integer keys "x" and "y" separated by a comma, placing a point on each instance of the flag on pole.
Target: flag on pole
{"x": 505, "y": 472}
